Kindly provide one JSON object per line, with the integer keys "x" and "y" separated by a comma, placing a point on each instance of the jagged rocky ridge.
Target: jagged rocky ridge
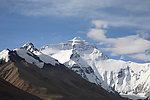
{"x": 36, "y": 73}
{"x": 127, "y": 78}
{"x": 30, "y": 54}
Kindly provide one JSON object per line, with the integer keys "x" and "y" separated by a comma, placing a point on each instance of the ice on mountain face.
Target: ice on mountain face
{"x": 38, "y": 59}
{"x": 4, "y": 55}
{"x": 123, "y": 77}
{"x": 28, "y": 56}
{"x": 48, "y": 60}
{"x": 77, "y": 64}
{"x": 63, "y": 56}
{"x": 42, "y": 58}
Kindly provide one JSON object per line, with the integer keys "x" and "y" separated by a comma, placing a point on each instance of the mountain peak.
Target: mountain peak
{"x": 78, "y": 39}
{"x": 29, "y": 46}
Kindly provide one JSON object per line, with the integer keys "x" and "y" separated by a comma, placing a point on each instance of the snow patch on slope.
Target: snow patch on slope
{"x": 4, "y": 55}
{"x": 63, "y": 56}
{"x": 28, "y": 56}
{"x": 134, "y": 96}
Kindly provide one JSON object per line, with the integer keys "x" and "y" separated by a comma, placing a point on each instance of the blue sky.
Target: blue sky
{"x": 120, "y": 28}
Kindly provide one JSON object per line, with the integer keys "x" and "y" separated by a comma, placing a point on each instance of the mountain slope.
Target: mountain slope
{"x": 123, "y": 77}
{"x": 9, "y": 92}
{"x": 51, "y": 81}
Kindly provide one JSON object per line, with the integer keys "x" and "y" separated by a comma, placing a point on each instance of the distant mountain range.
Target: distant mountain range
{"x": 73, "y": 70}
{"x": 40, "y": 75}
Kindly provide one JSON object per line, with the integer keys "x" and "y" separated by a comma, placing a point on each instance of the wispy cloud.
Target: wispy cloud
{"x": 141, "y": 56}
{"x": 132, "y": 45}
{"x": 133, "y": 13}
{"x": 100, "y": 24}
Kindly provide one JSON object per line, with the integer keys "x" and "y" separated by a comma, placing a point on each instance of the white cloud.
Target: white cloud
{"x": 100, "y": 24}
{"x": 97, "y": 34}
{"x": 133, "y": 13}
{"x": 141, "y": 56}
{"x": 133, "y": 44}
{"x": 128, "y": 45}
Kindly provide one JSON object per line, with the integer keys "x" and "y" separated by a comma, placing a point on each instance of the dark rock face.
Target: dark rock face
{"x": 9, "y": 92}
{"x": 14, "y": 56}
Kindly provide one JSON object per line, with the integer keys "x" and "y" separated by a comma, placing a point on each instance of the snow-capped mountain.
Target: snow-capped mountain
{"x": 127, "y": 78}
{"x": 70, "y": 54}
{"x": 41, "y": 75}
{"x": 30, "y": 54}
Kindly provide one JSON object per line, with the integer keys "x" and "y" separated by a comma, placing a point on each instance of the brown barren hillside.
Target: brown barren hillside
{"x": 9, "y": 92}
